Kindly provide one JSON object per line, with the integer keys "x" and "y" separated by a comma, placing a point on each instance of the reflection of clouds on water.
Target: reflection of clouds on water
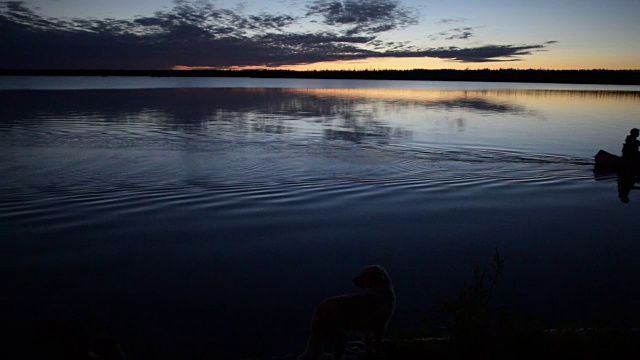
{"x": 480, "y": 101}
{"x": 456, "y": 124}
{"x": 193, "y": 106}
{"x": 169, "y": 116}
{"x": 480, "y": 105}
{"x": 358, "y": 133}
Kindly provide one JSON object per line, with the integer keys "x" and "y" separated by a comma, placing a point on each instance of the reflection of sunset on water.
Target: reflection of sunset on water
{"x": 431, "y": 95}
{"x": 557, "y": 121}
{"x": 514, "y": 100}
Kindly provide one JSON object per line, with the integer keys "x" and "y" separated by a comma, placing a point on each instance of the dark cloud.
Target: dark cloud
{"x": 461, "y": 33}
{"x": 199, "y": 34}
{"x": 487, "y": 53}
{"x": 278, "y": 49}
{"x": 451, "y": 21}
{"x": 363, "y": 16}
{"x": 268, "y": 21}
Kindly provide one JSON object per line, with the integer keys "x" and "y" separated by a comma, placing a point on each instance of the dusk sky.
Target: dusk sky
{"x": 320, "y": 34}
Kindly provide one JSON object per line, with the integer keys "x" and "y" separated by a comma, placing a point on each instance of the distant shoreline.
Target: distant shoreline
{"x": 600, "y": 77}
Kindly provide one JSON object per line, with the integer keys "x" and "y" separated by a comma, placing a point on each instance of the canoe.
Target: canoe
{"x": 607, "y": 163}
{"x": 607, "y": 160}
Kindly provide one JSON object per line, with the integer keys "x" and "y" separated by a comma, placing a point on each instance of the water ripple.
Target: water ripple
{"x": 86, "y": 196}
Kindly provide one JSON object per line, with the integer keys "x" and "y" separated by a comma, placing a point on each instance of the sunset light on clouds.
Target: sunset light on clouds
{"x": 319, "y": 34}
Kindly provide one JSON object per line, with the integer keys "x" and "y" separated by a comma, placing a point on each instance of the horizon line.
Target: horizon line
{"x": 233, "y": 69}
{"x": 578, "y": 76}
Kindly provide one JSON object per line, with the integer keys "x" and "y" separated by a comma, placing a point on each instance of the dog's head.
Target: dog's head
{"x": 371, "y": 277}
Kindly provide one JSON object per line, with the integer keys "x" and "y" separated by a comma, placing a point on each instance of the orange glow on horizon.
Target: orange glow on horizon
{"x": 544, "y": 61}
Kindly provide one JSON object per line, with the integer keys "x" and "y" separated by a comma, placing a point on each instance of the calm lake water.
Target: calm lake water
{"x": 204, "y": 218}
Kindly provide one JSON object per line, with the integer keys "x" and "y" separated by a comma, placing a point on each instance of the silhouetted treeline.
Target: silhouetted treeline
{"x": 618, "y": 77}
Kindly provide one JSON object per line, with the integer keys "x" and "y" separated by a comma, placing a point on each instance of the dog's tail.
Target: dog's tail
{"x": 314, "y": 349}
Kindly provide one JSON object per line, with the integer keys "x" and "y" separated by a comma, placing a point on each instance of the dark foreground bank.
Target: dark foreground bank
{"x": 550, "y": 344}
{"x": 609, "y": 77}
{"x": 65, "y": 342}
{"x": 585, "y": 344}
